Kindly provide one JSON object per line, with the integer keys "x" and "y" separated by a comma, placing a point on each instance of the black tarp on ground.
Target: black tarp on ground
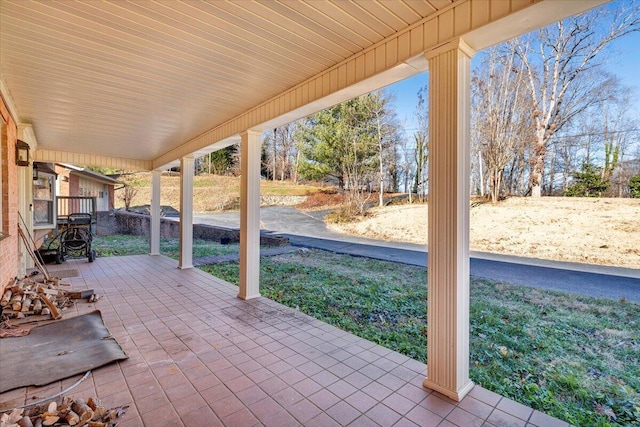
{"x": 56, "y": 351}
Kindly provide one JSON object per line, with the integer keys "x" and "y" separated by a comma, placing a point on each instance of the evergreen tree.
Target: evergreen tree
{"x": 588, "y": 182}
{"x": 634, "y": 187}
{"x": 340, "y": 142}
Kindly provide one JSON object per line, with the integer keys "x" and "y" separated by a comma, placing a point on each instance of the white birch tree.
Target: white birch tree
{"x": 558, "y": 62}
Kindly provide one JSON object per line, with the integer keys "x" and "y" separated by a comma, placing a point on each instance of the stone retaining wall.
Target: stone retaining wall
{"x": 139, "y": 225}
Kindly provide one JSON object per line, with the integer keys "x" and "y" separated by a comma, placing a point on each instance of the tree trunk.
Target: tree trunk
{"x": 539, "y": 152}
{"x": 275, "y": 154}
{"x": 481, "y": 173}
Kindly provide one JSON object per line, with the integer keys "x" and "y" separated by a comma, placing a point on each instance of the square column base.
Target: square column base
{"x": 248, "y": 297}
{"x": 456, "y": 395}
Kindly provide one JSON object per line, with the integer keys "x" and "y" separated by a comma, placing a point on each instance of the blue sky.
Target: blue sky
{"x": 624, "y": 62}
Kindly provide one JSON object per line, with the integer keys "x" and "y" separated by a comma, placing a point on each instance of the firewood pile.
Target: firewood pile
{"x": 29, "y": 300}
{"x": 28, "y": 297}
{"x": 70, "y": 412}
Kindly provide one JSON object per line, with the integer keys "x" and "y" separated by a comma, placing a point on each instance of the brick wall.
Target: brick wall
{"x": 74, "y": 186}
{"x": 139, "y": 225}
{"x": 8, "y": 245}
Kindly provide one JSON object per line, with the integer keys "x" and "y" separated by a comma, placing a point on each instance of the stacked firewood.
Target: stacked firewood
{"x": 70, "y": 412}
{"x": 29, "y": 297}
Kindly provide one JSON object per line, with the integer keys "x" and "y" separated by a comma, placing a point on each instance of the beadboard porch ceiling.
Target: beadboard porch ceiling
{"x": 137, "y": 79}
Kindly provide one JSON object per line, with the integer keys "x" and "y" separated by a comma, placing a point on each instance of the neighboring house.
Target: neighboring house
{"x": 87, "y": 183}
{"x": 62, "y": 189}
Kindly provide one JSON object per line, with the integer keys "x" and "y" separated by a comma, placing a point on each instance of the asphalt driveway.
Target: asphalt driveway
{"x": 309, "y": 230}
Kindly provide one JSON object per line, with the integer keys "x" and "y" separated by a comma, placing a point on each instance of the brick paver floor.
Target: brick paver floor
{"x": 199, "y": 356}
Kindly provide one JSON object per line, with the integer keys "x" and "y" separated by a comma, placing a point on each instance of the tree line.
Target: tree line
{"x": 546, "y": 119}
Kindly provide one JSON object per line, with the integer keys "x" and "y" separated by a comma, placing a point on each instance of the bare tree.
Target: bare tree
{"x": 280, "y": 152}
{"x": 421, "y": 139}
{"x": 611, "y": 135}
{"x": 128, "y": 190}
{"x": 385, "y": 134}
{"x": 501, "y": 118}
{"x": 406, "y": 165}
{"x": 558, "y": 62}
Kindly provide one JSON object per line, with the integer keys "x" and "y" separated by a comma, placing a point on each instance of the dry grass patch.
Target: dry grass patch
{"x": 211, "y": 193}
{"x": 582, "y": 230}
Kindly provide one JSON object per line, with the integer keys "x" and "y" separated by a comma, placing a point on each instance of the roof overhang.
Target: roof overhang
{"x": 89, "y": 174}
{"x": 138, "y": 85}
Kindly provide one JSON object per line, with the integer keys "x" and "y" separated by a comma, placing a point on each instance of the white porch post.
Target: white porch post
{"x": 448, "y": 283}
{"x": 154, "y": 233}
{"x": 250, "y": 215}
{"x": 25, "y": 210}
{"x": 186, "y": 212}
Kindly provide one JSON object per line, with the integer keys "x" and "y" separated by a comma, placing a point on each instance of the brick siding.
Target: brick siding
{"x": 8, "y": 245}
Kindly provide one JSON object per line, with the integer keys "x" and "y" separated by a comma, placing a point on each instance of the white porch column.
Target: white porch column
{"x": 154, "y": 232}
{"x": 250, "y": 215}
{"x": 448, "y": 283}
{"x": 25, "y": 210}
{"x": 186, "y": 212}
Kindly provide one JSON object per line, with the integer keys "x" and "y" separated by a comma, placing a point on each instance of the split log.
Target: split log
{"x": 80, "y": 294}
{"x": 16, "y": 302}
{"x": 13, "y": 417}
{"x": 92, "y": 403}
{"x": 37, "y": 306}
{"x": 99, "y": 412}
{"x": 6, "y": 298}
{"x": 52, "y": 408}
{"x": 50, "y": 420}
{"x": 54, "y": 310}
{"x": 72, "y": 418}
{"x": 83, "y": 410}
{"x": 26, "y": 304}
{"x": 25, "y": 422}
{"x": 48, "y": 291}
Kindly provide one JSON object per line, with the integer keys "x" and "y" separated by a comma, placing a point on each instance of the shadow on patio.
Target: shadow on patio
{"x": 199, "y": 356}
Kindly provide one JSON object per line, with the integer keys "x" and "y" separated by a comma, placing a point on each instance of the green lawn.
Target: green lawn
{"x": 575, "y": 358}
{"x": 119, "y": 245}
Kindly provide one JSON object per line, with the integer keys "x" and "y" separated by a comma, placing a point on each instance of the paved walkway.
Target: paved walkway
{"x": 308, "y": 230}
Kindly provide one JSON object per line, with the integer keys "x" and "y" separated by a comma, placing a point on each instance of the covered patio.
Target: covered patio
{"x": 199, "y": 356}
{"x": 149, "y": 85}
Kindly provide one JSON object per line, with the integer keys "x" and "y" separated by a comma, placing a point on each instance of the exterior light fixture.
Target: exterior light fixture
{"x": 35, "y": 171}
{"x": 22, "y": 153}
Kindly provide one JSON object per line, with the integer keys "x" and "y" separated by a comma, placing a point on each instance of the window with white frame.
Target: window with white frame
{"x": 43, "y": 196}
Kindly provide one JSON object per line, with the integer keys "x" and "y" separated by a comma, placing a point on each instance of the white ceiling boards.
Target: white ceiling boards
{"x": 141, "y": 83}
